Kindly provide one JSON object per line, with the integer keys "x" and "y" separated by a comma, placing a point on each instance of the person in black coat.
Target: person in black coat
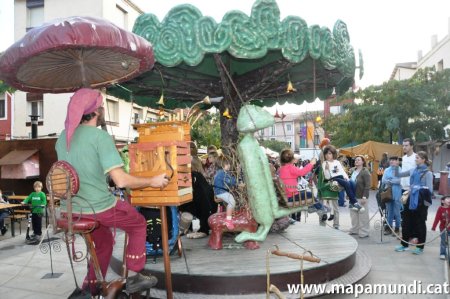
{"x": 202, "y": 205}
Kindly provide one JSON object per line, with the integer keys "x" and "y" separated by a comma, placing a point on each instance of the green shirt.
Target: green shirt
{"x": 38, "y": 200}
{"x": 93, "y": 154}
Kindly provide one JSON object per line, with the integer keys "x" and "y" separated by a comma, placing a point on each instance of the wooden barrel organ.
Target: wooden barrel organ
{"x": 162, "y": 147}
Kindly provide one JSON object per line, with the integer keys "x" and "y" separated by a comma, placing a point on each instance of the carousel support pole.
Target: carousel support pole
{"x": 165, "y": 247}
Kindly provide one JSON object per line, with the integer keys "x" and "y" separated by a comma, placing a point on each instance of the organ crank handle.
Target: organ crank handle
{"x": 166, "y": 159}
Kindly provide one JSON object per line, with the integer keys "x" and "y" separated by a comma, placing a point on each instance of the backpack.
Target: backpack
{"x": 154, "y": 228}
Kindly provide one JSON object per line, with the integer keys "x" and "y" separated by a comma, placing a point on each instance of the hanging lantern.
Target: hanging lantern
{"x": 161, "y": 100}
{"x": 290, "y": 88}
{"x": 227, "y": 114}
{"x": 206, "y": 100}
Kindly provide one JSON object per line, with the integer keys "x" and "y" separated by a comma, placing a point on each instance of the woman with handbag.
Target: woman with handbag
{"x": 415, "y": 209}
{"x": 393, "y": 206}
{"x": 361, "y": 181}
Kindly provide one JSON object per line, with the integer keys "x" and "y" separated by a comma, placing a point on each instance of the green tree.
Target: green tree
{"x": 4, "y": 87}
{"x": 206, "y": 131}
{"x": 415, "y": 108}
{"x": 275, "y": 145}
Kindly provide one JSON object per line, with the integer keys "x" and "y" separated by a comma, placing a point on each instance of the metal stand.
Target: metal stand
{"x": 379, "y": 224}
{"x": 47, "y": 247}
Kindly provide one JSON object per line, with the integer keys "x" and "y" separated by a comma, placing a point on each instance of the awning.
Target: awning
{"x": 17, "y": 157}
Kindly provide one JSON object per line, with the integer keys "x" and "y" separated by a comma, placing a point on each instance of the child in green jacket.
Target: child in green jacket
{"x": 38, "y": 202}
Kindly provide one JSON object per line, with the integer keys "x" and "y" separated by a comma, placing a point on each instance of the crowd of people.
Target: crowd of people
{"x": 408, "y": 177}
{"x": 216, "y": 178}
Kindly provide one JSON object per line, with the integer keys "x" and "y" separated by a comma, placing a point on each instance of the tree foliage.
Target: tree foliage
{"x": 415, "y": 108}
{"x": 4, "y": 87}
{"x": 275, "y": 145}
{"x": 206, "y": 131}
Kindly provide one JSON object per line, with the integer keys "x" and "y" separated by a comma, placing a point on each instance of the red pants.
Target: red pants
{"x": 125, "y": 217}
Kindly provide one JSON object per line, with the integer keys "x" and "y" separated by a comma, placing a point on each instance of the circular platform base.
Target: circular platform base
{"x": 235, "y": 270}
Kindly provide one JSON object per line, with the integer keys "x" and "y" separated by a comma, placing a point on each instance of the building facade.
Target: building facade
{"x": 51, "y": 108}
{"x": 438, "y": 57}
{"x": 5, "y": 116}
{"x": 299, "y": 130}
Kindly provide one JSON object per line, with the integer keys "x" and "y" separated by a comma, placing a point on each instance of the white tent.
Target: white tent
{"x": 269, "y": 152}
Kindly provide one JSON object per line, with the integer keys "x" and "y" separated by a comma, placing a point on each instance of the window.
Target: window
{"x": 121, "y": 17}
{"x": 289, "y": 127}
{"x": 261, "y": 132}
{"x": 35, "y": 13}
{"x": 112, "y": 112}
{"x": 35, "y": 105}
{"x": 336, "y": 110}
{"x": 272, "y": 130}
{"x": 151, "y": 120}
{"x": 37, "y": 108}
{"x": 316, "y": 139}
{"x": 2, "y": 108}
{"x": 137, "y": 116}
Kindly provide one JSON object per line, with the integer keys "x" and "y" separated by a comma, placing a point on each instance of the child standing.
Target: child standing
{"x": 443, "y": 218}
{"x": 38, "y": 202}
{"x": 333, "y": 171}
{"x": 223, "y": 181}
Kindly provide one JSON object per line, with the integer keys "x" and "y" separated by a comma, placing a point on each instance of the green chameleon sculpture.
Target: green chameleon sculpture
{"x": 255, "y": 166}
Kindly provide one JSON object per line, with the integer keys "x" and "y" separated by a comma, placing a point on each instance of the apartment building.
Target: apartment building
{"x": 51, "y": 108}
{"x": 299, "y": 130}
{"x": 438, "y": 56}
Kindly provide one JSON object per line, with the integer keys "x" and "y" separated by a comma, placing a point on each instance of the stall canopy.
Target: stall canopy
{"x": 373, "y": 151}
{"x": 20, "y": 164}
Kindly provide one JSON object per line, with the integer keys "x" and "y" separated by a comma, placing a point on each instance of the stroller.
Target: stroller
{"x": 382, "y": 207}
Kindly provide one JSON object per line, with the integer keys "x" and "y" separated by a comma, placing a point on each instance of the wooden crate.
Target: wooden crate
{"x": 161, "y": 144}
{"x": 164, "y": 131}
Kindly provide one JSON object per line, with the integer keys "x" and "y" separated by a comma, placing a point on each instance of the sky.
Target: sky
{"x": 386, "y": 31}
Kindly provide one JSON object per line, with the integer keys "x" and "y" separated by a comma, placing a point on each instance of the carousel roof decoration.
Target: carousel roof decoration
{"x": 68, "y": 54}
{"x": 260, "y": 51}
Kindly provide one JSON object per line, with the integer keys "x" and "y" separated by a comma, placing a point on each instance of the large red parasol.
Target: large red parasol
{"x": 75, "y": 52}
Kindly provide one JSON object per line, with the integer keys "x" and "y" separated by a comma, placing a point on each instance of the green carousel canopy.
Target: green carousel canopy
{"x": 259, "y": 53}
